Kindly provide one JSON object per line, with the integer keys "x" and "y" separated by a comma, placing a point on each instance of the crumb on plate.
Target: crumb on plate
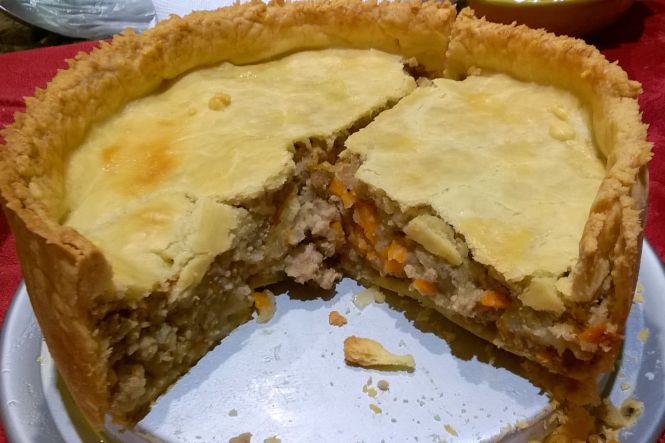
{"x": 450, "y": 430}
{"x": 623, "y": 416}
{"x": 245, "y": 437}
{"x": 369, "y": 353}
{"x": 367, "y": 296}
{"x": 383, "y": 385}
{"x": 336, "y": 319}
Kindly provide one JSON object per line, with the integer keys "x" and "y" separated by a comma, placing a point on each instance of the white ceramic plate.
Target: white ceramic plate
{"x": 288, "y": 378}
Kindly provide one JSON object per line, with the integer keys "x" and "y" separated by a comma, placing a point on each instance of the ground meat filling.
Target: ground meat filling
{"x": 309, "y": 220}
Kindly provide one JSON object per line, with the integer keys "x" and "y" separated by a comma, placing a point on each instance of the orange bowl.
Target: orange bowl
{"x": 571, "y": 17}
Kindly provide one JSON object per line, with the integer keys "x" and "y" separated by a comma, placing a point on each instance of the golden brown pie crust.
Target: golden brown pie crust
{"x": 65, "y": 273}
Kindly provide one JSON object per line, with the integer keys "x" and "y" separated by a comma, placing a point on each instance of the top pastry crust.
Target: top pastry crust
{"x": 216, "y": 137}
{"x": 505, "y": 193}
{"x": 66, "y": 275}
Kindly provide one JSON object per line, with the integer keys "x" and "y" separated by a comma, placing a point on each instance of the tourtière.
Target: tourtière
{"x": 493, "y": 172}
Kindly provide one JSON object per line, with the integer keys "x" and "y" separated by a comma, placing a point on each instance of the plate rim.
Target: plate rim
{"x": 14, "y": 427}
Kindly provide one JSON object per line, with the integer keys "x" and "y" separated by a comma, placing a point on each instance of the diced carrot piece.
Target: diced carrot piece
{"x": 264, "y": 302}
{"x": 397, "y": 252}
{"x": 393, "y": 267}
{"x": 261, "y": 300}
{"x": 338, "y": 188}
{"x": 394, "y": 257}
{"x": 357, "y": 238}
{"x": 494, "y": 300}
{"x": 425, "y": 287}
{"x": 366, "y": 218}
{"x": 594, "y": 333}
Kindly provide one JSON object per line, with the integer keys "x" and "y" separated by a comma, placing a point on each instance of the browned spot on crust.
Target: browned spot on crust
{"x": 139, "y": 165}
{"x": 157, "y": 164}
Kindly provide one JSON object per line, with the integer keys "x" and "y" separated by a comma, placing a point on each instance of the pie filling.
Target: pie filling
{"x": 469, "y": 196}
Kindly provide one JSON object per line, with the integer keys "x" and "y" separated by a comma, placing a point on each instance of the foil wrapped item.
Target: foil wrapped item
{"x": 86, "y": 19}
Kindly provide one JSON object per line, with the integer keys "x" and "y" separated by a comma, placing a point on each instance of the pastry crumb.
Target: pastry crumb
{"x": 450, "y": 430}
{"x": 272, "y": 439}
{"x": 219, "y": 101}
{"x": 368, "y": 296}
{"x": 245, "y": 437}
{"x": 383, "y": 385}
{"x": 424, "y": 82}
{"x": 623, "y": 416}
{"x": 371, "y": 392}
{"x": 643, "y": 335}
{"x": 375, "y": 408}
{"x": 625, "y": 386}
{"x": 336, "y": 319}
{"x": 233, "y": 413}
{"x": 264, "y": 302}
{"x": 369, "y": 353}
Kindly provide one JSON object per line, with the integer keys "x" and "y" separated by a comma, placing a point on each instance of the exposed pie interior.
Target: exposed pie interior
{"x": 505, "y": 191}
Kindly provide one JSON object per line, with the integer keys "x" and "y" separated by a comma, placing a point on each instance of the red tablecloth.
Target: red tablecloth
{"x": 637, "y": 42}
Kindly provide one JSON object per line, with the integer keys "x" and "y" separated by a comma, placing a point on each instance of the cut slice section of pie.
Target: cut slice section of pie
{"x": 598, "y": 289}
{"x": 509, "y": 204}
{"x": 472, "y": 196}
